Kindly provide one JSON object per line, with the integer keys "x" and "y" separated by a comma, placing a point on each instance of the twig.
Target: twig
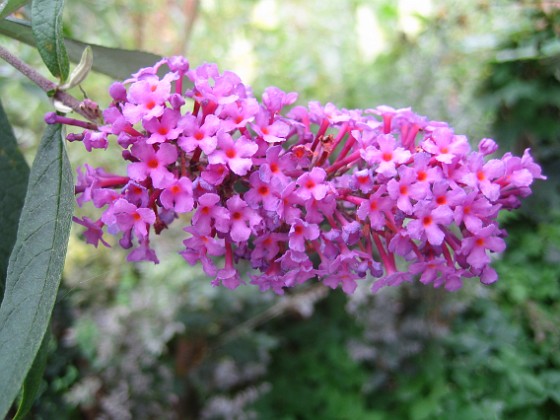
{"x": 294, "y": 302}
{"x": 44, "y": 83}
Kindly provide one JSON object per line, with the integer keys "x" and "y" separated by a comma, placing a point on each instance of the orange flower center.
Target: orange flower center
{"x": 387, "y": 156}
{"x": 263, "y": 190}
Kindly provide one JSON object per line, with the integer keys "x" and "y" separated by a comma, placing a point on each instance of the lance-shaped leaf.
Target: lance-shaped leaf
{"x": 13, "y": 183}
{"x": 10, "y": 6}
{"x": 36, "y": 263}
{"x": 33, "y": 380}
{"x": 114, "y": 62}
{"x": 46, "y": 23}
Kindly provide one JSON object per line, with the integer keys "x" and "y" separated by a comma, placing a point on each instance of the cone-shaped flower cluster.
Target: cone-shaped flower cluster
{"x": 312, "y": 192}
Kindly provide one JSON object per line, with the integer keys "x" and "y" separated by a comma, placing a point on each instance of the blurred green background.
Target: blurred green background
{"x": 142, "y": 341}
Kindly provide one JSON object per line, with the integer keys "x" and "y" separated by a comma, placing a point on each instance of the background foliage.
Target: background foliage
{"x": 137, "y": 341}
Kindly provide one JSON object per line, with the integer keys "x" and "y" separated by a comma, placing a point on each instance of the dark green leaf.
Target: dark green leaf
{"x": 13, "y": 174}
{"x": 36, "y": 263}
{"x": 10, "y": 6}
{"x": 46, "y": 23}
{"x": 33, "y": 380}
{"x": 114, "y": 62}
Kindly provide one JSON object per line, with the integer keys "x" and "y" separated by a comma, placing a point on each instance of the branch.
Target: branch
{"x": 301, "y": 302}
{"x": 44, "y": 83}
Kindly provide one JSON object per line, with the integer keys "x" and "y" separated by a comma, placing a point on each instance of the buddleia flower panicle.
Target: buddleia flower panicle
{"x": 301, "y": 193}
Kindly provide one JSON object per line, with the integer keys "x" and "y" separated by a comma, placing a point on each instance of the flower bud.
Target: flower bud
{"x": 117, "y": 91}
{"x": 487, "y": 146}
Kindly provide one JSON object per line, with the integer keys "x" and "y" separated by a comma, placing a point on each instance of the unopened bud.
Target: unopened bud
{"x": 487, "y": 146}
{"x": 51, "y": 118}
{"x": 117, "y": 91}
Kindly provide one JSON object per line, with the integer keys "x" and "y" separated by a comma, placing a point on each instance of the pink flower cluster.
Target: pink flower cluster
{"x": 312, "y": 192}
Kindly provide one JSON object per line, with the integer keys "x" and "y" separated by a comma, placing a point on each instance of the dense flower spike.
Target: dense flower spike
{"x": 316, "y": 192}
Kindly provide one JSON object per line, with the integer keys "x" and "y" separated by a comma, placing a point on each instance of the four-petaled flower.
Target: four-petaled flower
{"x": 153, "y": 163}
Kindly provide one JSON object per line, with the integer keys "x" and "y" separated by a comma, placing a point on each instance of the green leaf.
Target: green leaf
{"x": 46, "y": 24}
{"x": 9, "y": 6}
{"x": 14, "y": 173}
{"x": 81, "y": 71}
{"x": 114, "y": 62}
{"x": 36, "y": 263}
{"x": 33, "y": 380}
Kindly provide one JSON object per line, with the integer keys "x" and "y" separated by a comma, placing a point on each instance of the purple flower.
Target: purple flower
{"x": 235, "y": 154}
{"x": 475, "y": 247}
{"x": 178, "y": 196}
{"x": 483, "y": 175}
{"x": 163, "y": 129}
{"x": 425, "y": 172}
{"x": 210, "y": 214}
{"x": 199, "y": 136}
{"x": 446, "y": 146}
{"x": 269, "y": 281}
{"x": 301, "y": 231}
{"x": 153, "y": 163}
{"x": 203, "y": 243}
{"x": 275, "y": 132}
{"x": 263, "y": 193}
{"x": 199, "y": 246}
{"x": 276, "y": 165}
{"x": 127, "y": 216}
{"x": 430, "y": 270}
{"x": 374, "y": 208}
{"x": 311, "y": 184}
{"x": 317, "y": 209}
{"x": 215, "y": 174}
{"x": 146, "y": 98}
{"x": 143, "y": 252}
{"x": 266, "y": 248}
{"x": 427, "y": 224}
{"x": 448, "y": 195}
{"x": 406, "y": 189}
{"x": 275, "y": 99}
{"x": 240, "y": 113}
{"x": 136, "y": 194}
{"x": 345, "y": 278}
{"x": 474, "y": 211}
{"x": 95, "y": 140}
{"x": 228, "y": 277}
{"x": 386, "y": 156}
{"x": 393, "y": 279}
{"x": 288, "y": 209}
{"x": 94, "y": 232}
{"x": 212, "y": 88}
{"x": 244, "y": 220}
{"x": 342, "y": 271}
{"x": 363, "y": 180}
